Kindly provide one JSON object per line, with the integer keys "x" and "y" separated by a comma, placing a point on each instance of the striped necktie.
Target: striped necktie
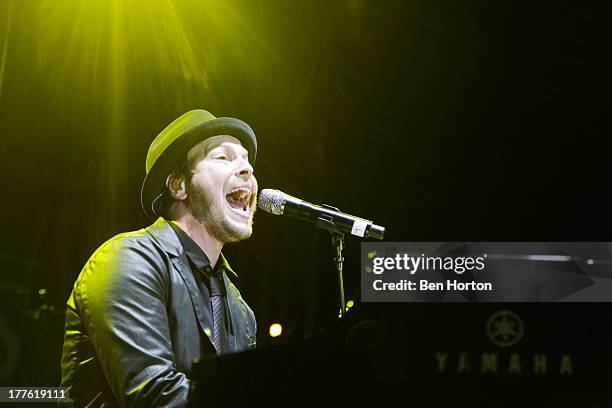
{"x": 217, "y": 297}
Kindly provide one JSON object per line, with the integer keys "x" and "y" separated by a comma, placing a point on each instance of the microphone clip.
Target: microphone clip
{"x": 327, "y": 223}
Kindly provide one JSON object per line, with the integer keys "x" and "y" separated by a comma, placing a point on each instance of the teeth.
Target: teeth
{"x": 240, "y": 193}
{"x": 239, "y": 199}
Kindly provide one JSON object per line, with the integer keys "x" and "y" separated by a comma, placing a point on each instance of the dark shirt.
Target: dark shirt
{"x": 202, "y": 270}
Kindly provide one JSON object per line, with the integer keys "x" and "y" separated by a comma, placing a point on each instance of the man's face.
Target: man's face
{"x": 223, "y": 190}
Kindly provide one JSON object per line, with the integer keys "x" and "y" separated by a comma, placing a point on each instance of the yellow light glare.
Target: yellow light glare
{"x": 275, "y": 330}
{"x": 350, "y": 304}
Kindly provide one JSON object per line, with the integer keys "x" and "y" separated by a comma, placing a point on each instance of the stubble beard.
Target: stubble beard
{"x": 210, "y": 212}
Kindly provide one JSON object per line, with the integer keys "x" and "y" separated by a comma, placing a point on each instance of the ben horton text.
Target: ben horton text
{"x": 412, "y": 264}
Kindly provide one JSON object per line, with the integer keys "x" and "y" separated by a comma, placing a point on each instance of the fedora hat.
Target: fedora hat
{"x": 170, "y": 147}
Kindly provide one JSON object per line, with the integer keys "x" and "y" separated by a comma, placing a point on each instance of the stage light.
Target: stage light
{"x": 275, "y": 330}
{"x": 349, "y": 304}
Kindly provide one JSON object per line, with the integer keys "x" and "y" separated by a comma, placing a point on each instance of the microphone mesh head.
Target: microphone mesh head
{"x": 272, "y": 201}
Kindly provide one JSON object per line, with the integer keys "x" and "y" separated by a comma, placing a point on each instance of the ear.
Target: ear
{"x": 176, "y": 187}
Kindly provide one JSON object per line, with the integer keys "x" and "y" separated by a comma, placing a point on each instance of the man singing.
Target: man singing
{"x": 149, "y": 302}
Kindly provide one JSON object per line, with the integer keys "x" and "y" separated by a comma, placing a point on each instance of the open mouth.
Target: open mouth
{"x": 239, "y": 199}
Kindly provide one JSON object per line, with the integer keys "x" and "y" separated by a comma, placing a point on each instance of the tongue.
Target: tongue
{"x": 237, "y": 203}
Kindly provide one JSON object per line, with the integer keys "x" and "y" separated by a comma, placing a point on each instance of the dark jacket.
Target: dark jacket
{"x": 134, "y": 323}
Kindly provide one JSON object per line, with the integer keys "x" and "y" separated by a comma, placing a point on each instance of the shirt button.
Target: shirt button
{"x": 207, "y": 270}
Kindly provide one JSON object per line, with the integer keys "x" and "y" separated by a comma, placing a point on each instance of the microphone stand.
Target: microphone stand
{"x": 327, "y": 223}
{"x": 338, "y": 244}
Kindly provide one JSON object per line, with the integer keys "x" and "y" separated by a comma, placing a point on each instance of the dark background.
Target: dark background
{"x": 440, "y": 120}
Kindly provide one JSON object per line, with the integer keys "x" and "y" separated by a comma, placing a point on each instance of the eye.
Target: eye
{"x": 221, "y": 157}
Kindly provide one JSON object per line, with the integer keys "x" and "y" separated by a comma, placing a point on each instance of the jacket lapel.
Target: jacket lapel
{"x": 166, "y": 237}
{"x": 239, "y": 341}
{"x": 181, "y": 264}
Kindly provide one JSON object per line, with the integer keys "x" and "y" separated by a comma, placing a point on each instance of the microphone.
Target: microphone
{"x": 324, "y": 216}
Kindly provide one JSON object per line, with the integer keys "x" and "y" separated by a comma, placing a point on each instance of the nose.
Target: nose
{"x": 244, "y": 169}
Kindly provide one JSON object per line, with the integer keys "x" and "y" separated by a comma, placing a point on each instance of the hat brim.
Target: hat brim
{"x": 154, "y": 183}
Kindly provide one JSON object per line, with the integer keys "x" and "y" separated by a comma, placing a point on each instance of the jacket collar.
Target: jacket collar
{"x": 162, "y": 232}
